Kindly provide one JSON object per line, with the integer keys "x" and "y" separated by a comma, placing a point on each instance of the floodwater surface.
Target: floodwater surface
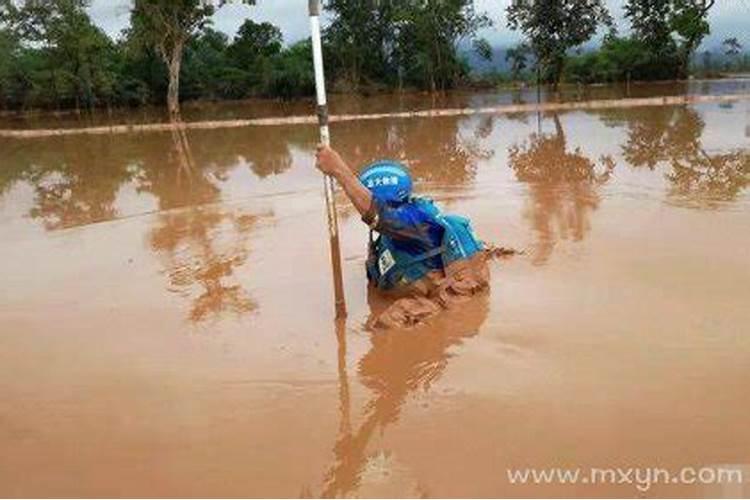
{"x": 166, "y": 311}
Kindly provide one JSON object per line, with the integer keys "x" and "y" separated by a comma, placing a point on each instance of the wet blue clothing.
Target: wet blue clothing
{"x": 414, "y": 238}
{"x": 410, "y": 229}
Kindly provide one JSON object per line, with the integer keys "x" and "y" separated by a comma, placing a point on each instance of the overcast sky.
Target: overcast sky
{"x": 728, "y": 18}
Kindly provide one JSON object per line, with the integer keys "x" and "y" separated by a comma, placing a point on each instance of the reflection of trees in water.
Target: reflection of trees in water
{"x": 74, "y": 183}
{"x": 76, "y": 180}
{"x": 435, "y": 149}
{"x": 267, "y": 150}
{"x": 168, "y": 171}
{"x": 15, "y": 164}
{"x": 200, "y": 246}
{"x": 563, "y": 187}
{"x": 672, "y": 136}
{"x": 399, "y": 364}
{"x": 201, "y": 249}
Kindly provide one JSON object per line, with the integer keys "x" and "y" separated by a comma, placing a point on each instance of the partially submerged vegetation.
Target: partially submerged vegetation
{"x": 53, "y": 56}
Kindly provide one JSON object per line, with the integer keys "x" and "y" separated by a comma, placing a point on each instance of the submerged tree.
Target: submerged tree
{"x": 396, "y": 41}
{"x": 552, "y": 27}
{"x": 9, "y": 53}
{"x": 518, "y": 58}
{"x": 428, "y": 38}
{"x": 732, "y": 48}
{"x": 360, "y": 40}
{"x": 254, "y": 51}
{"x": 656, "y": 22}
{"x": 167, "y": 26}
{"x": 58, "y": 50}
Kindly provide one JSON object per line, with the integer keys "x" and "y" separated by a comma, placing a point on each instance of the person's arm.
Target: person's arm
{"x": 330, "y": 162}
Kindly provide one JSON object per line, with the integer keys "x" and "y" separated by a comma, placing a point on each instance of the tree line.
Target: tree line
{"x": 53, "y": 56}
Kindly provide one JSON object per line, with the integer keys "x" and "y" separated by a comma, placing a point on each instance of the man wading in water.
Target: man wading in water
{"x": 426, "y": 259}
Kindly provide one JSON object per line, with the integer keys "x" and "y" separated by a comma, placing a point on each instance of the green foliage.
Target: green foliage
{"x": 167, "y": 26}
{"x": 254, "y": 43}
{"x": 672, "y": 30}
{"x": 55, "y": 55}
{"x": 253, "y": 52}
{"x": 401, "y": 42}
{"x": 361, "y": 41}
{"x": 552, "y": 27}
{"x": 518, "y": 57}
{"x": 732, "y": 47}
{"x": 483, "y": 48}
{"x": 9, "y": 52}
{"x": 293, "y": 74}
{"x": 618, "y": 59}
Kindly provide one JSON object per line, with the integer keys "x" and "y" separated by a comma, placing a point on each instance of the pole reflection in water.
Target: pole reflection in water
{"x": 399, "y": 364}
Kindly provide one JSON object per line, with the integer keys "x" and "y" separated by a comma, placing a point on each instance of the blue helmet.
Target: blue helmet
{"x": 387, "y": 180}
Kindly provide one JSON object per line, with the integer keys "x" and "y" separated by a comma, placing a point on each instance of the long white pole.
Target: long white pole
{"x": 325, "y": 138}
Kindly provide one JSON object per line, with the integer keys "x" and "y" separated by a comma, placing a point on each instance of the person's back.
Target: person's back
{"x": 415, "y": 251}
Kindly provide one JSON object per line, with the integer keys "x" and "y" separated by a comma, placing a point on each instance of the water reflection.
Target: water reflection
{"x": 200, "y": 246}
{"x": 673, "y": 136}
{"x": 436, "y": 150}
{"x": 563, "y": 187}
{"x": 72, "y": 185}
{"x": 399, "y": 365}
{"x": 267, "y": 151}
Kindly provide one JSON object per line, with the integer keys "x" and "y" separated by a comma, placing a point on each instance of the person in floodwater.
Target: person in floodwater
{"x": 427, "y": 259}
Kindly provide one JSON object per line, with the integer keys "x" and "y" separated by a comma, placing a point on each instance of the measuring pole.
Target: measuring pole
{"x": 325, "y": 138}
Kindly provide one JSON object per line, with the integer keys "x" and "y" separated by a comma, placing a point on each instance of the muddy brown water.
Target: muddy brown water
{"x": 166, "y": 317}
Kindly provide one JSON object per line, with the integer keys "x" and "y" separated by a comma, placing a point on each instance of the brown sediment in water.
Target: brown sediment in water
{"x": 166, "y": 314}
{"x": 306, "y": 120}
{"x": 438, "y": 292}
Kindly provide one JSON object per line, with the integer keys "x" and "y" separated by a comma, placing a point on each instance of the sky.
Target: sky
{"x": 728, "y": 18}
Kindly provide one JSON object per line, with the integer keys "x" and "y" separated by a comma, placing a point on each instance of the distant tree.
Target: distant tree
{"x": 292, "y": 74}
{"x": 518, "y": 58}
{"x": 76, "y": 55}
{"x": 205, "y": 65}
{"x": 689, "y": 21}
{"x": 360, "y": 40}
{"x": 255, "y": 41}
{"x": 617, "y": 59}
{"x": 732, "y": 48}
{"x": 167, "y": 26}
{"x": 483, "y": 48}
{"x": 655, "y": 22}
{"x": 9, "y": 49}
{"x": 428, "y": 36}
{"x": 254, "y": 49}
{"x": 552, "y": 27}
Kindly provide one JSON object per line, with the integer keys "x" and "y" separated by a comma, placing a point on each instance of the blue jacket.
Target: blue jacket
{"x": 414, "y": 238}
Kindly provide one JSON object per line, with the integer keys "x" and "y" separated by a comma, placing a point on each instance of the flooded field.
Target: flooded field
{"x": 166, "y": 316}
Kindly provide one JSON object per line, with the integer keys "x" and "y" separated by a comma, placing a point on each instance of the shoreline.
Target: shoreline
{"x": 429, "y": 113}
{"x": 365, "y": 94}
{"x": 519, "y": 85}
